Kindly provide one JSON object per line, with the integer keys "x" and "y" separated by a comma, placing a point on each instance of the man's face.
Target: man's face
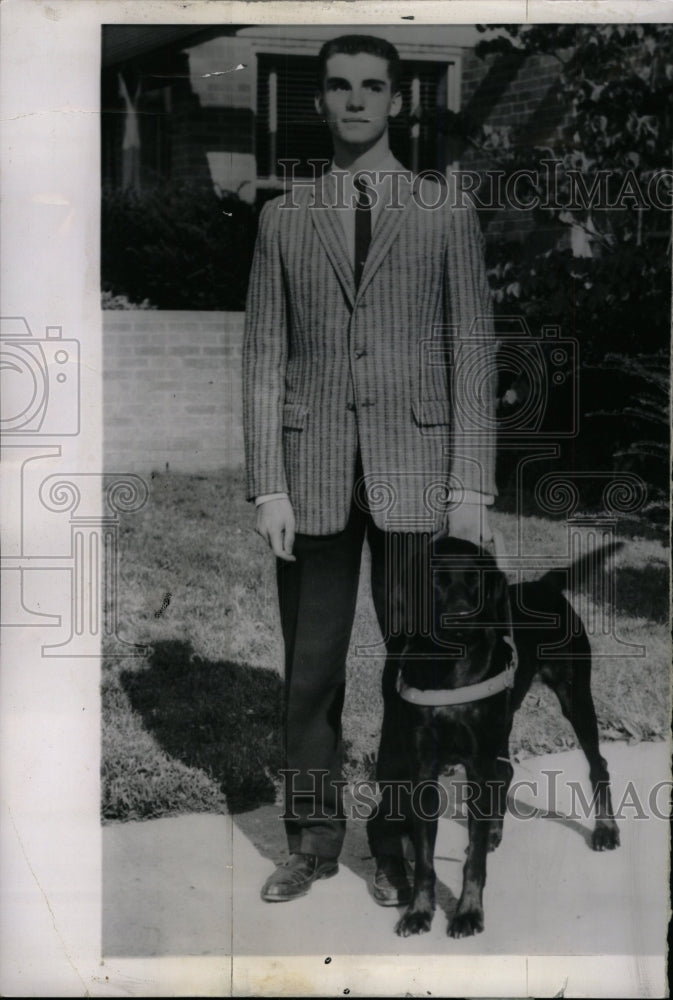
{"x": 357, "y": 98}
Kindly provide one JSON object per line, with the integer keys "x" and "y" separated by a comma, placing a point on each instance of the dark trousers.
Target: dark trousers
{"x": 317, "y": 596}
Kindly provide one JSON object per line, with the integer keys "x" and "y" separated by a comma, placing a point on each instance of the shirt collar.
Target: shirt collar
{"x": 386, "y": 164}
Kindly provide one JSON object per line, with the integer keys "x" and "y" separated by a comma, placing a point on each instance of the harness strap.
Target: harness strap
{"x": 437, "y": 697}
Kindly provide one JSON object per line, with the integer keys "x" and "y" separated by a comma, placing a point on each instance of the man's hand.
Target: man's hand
{"x": 470, "y": 522}
{"x": 275, "y": 523}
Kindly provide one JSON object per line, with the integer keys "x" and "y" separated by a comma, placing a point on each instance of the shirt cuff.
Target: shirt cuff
{"x": 468, "y": 496}
{"x": 471, "y": 496}
{"x": 269, "y": 496}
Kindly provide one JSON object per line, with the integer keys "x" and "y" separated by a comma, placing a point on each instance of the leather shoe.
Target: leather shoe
{"x": 296, "y": 876}
{"x": 390, "y": 885}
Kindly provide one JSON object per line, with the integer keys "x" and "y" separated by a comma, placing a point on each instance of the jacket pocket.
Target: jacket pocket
{"x": 295, "y": 416}
{"x": 431, "y": 412}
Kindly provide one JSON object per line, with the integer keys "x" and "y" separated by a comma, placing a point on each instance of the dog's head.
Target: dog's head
{"x": 463, "y": 600}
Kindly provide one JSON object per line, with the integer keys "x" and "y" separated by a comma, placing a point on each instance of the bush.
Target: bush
{"x": 611, "y": 303}
{"x": 612, "y": 120}
{"x": 110, "y": 301}
{"x": 645, "y": 408}
{"x": 180, "y": 246}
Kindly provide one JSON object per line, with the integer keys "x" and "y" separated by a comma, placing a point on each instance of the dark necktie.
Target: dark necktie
{"x": 363, "y": 227}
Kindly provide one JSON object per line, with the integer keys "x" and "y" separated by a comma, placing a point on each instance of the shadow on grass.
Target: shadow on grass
{"x": 221, "y": 717}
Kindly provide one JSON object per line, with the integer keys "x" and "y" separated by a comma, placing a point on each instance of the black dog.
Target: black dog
{"x": 480, "y": 631}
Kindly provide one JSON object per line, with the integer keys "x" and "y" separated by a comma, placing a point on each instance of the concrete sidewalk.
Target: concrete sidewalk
{"x": 190, "y": 885}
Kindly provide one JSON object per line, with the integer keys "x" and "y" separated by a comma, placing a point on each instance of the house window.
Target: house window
{"x": 288, "y": 127}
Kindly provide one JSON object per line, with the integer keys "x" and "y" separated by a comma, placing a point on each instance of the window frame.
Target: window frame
{"x": 450, "y": 58}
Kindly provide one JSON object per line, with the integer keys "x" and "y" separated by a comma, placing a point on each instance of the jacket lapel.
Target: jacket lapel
{"x": 331, "y": 234}
{"x": 386, "y": 229}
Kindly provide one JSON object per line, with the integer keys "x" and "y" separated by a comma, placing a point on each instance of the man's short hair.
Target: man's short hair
{"x": 352, "y": 45}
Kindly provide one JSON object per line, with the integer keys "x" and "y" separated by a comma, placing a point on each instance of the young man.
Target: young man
{"x": 355, "y": 418}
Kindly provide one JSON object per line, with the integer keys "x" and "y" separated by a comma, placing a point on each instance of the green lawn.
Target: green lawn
{"x": 194, "y": 725}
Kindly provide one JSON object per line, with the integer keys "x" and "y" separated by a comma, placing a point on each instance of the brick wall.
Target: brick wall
{"x": 507, "y": 89}
{"x": 522, "y": 93}
{"x": 172, "y": 390}
{"x": 212, "y": 123}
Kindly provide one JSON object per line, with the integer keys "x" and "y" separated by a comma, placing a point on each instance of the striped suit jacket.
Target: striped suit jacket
{"x": 403, "y": 367}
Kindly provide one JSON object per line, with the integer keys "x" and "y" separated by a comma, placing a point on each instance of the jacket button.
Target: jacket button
{"x": 350, "y": 406}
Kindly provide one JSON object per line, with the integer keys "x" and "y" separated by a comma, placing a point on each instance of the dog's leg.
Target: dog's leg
{"x": 504, "y": 774}
{"x": 469, "y": 916}
{"x": 417, "y": 918}
{"x": 574, "y": 695}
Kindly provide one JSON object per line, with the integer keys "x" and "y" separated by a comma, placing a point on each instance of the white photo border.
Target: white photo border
{"x": 50, "y": 708}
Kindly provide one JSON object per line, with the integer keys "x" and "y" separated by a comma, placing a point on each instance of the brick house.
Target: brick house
{"x": 226, "y": 103}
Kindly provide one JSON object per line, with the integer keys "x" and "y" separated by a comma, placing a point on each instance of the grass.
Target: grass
{"x": 194, "y": 726}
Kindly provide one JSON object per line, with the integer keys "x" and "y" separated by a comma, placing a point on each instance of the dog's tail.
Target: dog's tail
{"x": 582, "y": 571}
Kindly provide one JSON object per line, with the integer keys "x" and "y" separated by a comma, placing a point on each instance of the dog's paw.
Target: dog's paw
{"x": 414, "y": 922}
{"x": 466, "y": 924}
{"x": 606, "y": 836}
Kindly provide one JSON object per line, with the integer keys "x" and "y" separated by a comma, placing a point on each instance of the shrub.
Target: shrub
{"x": 110, "y": 301}
{"x": 611, "y": 119}
{"x": 645, "y": 407}
{"x": 180, "y": 246}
